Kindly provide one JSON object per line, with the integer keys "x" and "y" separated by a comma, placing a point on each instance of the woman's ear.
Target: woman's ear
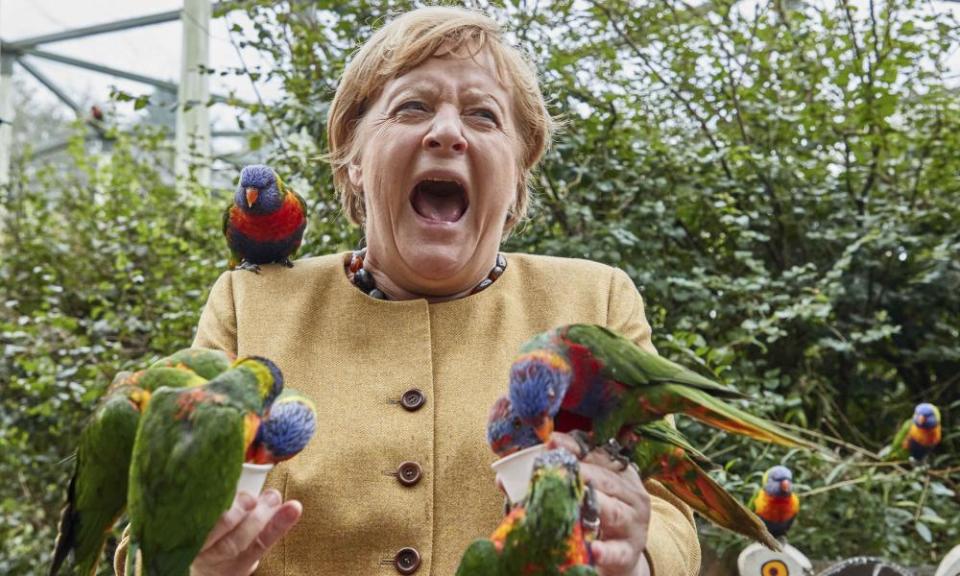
{"x": 355, "y": 174}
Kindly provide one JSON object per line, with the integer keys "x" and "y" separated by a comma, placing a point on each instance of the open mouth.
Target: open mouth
{"x": 439, "y": 200}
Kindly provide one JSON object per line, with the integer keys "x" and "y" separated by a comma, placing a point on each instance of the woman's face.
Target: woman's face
{"x": 439, "y": 170}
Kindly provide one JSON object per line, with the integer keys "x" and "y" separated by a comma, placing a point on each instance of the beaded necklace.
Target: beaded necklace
{"x": 363, "y": 279}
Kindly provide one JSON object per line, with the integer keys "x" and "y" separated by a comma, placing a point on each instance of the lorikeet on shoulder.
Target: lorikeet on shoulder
{"x": 918, "y": 436}
{"x": 187, "y": 458}
{"x": 775, "y": 503}
{"x": 265, "y": 222}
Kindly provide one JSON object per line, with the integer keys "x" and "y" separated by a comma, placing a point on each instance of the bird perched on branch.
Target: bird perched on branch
{"x": 775, "y": 501}
{"x": 97, "y": 492}
{"x": 918, "y": 436}
{"x": 543, "y": 536}
{"x": 265, "y": 221}
{"x": 187, "y": 458}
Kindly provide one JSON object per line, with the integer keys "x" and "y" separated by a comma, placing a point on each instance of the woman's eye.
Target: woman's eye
{"x": 412, "y": 105}
{"x": 485, "y": 113}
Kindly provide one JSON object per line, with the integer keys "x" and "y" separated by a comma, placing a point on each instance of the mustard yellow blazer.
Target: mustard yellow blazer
{"x": 398, "y": 475}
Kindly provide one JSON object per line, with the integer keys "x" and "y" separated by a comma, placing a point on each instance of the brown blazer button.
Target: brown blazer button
{"x": 409, "y": 473}
{"x": 412, "y": 400}
{"x": 407, "y": 560}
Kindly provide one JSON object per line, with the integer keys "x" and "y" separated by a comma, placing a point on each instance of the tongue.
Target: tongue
{"x": 444, "y": 207}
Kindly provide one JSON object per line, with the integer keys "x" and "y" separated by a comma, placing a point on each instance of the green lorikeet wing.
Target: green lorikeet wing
{"x": 624, "y": 361}
{"x": 187, "y": 460}
{"x": 204, "y": 362}
{"x": 647, "y": 387}
{"x": 480, "y": 559}
{"x": 897, "y": 449}
{"x": 153, "y": 378}
{"x": 661, "y": 454}
{"x": 97, "y": 493}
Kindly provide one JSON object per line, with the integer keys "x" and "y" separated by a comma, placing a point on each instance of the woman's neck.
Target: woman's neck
{"x": 397, "y": 287}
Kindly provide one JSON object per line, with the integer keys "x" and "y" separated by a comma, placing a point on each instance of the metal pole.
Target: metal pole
{"x": 98, "y": 29}
{"x": 192, "y": 148}
{"x": 6, "y": 116}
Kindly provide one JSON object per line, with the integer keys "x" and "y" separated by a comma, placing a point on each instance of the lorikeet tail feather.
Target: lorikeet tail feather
{"x": 66, "y": 532}
{"x": 691, "y": 484}
{"x": 719, "y": 414}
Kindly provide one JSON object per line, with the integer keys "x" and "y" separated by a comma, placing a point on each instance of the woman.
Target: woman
{"x": 433, "y": 133}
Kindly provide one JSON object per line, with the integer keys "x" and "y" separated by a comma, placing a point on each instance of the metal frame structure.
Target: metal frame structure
{"x": 193, "y": 135}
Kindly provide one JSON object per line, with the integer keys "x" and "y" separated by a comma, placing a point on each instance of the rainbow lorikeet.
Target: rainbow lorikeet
{"x": 660, "y": 452}
{"x": 97, "y": 493}
{"x": 205, "y": 362}
{"x": 918, "y": 436}
{"x": 187, "y": 459}
{"x": 589, "y": 378}
{"x": 775, "y": 503}
{"x": 543, "y": 536}
{"x": 265, "y": 221}
{"x": 286, "y": 430}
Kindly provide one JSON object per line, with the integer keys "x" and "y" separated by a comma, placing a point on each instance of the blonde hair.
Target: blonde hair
{"x": 404, "y": 44}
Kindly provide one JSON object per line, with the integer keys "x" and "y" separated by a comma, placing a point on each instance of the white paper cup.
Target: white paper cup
{"x": 514, "y": 471}
{"x": 253, "y": 477}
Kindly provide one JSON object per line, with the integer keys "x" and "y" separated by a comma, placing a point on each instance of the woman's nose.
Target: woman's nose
{"x": 446, "y": 133}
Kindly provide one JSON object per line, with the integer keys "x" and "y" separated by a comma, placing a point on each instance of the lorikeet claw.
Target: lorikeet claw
{"x": 617, "y": 453}
{"x": 583, "y": 441}
{"x": 286, "y": 262}
{"x": 590, "y": 513}
{"x": 249, "y": 266}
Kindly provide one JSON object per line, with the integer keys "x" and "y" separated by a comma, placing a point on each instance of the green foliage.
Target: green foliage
{"x": 104, "y": 268}
{"x": 781, "y": 182}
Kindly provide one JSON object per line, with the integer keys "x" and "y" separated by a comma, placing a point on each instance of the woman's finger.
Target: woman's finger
{"x": 615, "y": 556}
{"x": 243, "y": 503}
{"x": 284, "y": 518}
{"x": 235, "y": 542}
{"x": 561, "y": 440}
{"x": 623, "y": 485}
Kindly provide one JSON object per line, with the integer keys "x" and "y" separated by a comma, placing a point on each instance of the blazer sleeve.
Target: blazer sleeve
{"x": 218, "y": 322}
{"x": 672, "y": 545}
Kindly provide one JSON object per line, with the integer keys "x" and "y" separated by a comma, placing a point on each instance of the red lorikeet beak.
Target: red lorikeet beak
{"x": 785, "y": 486}
{"x": 921, "y": 420}
{"x": 544, "y": 430}
{"x": 252, "y": 194}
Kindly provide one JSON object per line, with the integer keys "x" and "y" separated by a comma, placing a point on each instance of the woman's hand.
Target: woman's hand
{"x": 244, "y": 533}
{"x": 624, "y": 510}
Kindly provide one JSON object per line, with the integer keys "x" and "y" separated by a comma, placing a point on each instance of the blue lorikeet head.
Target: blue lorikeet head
{"x": 926, "y": 416}
{"x": 286, "y": 431}
{"x": 778, "y": 481}
{"x": 258, "y": 191}
{"x": 506, "y": 432}
{"x": 538, "y": 382}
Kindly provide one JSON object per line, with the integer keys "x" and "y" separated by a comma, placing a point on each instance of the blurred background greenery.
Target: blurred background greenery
{"x": 781, "y": 180}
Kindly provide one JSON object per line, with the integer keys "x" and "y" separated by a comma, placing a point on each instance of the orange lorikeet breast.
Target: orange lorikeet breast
{"x": 272, "y": 227}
